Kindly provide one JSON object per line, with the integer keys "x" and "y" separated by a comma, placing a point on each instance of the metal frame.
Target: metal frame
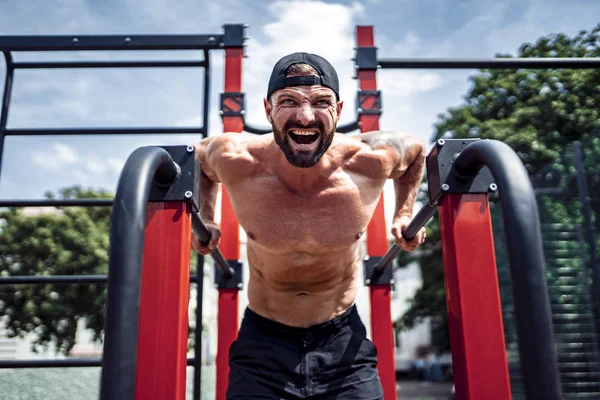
{"x": 232, "y": 37}
{"x": 232, "y": 41}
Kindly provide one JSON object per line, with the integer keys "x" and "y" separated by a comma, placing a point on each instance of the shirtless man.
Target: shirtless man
{"x": 304, "y": 196}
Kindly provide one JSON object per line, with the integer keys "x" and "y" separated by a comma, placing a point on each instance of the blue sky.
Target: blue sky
{"x": 86, "y": 98}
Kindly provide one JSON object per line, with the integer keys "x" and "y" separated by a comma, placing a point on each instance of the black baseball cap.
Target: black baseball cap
{"x": 327, "y": 75}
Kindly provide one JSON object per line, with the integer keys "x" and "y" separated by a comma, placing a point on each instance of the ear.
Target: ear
{"x": 268, "y": 109}
{"x": 340, "y": 105}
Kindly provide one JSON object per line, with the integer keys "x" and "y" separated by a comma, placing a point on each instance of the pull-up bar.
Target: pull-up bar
{"x": 495, "y": 63}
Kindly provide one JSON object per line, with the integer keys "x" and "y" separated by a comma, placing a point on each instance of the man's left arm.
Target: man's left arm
{"x": 406, "y": 156}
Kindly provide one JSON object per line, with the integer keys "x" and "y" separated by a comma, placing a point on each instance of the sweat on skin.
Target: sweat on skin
{"x": 305, "y": 195}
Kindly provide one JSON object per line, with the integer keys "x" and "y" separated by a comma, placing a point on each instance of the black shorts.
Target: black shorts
{"x": 332, "y": 360}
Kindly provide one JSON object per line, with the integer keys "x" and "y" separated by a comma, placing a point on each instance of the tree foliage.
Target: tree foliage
{"x": 54, "y": 241}
{"x": 539, "y": 113}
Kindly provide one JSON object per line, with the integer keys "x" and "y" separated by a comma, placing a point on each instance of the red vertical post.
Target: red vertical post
{"x": 479, "y": 358}
{"x": 227, "y": 319}
{"x": 377, "y": 245}
{"x": 163, "y": 318}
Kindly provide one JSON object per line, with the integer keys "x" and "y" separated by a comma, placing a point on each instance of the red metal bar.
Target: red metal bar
{"x": 377, "y": 245}
{"x": 163, "y": 324}
{"x": 473, "y": 298}
{"x": 227, "y": 319}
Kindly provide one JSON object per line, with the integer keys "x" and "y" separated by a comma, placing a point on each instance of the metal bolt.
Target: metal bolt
{"x": 360, "y": 109}
{"x": 367, "y": 281}
{"x": 392, "y": 281}
{"x": 75, "y": 40}
{"x": 127, "y": 39}
{"x": 221, "y": 44}
{"x": 216, "y": 285}
{"x": 188, "y": 194}
{"x": 493, "y": 187}
{"x": 211, "y": 39}
{"x": 190, "y": 149}
{"x": 239, "y": 286}
{"x": 441, "y": 142}
{"x": 445, "y": 187}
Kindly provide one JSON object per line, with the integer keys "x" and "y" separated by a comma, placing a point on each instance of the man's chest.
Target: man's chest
{"x": 332, "y": 215}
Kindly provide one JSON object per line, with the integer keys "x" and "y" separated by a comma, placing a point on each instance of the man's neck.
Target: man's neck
{"x": 300, "y": 180}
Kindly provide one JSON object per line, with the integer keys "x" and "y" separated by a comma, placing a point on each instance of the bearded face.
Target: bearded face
{"x": 303, "y": 145}
{"x": 304, "y": 120}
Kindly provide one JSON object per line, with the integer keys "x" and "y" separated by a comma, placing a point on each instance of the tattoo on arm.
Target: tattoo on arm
{"x": 410, "y": 165}
{"x": 379, "y": 139}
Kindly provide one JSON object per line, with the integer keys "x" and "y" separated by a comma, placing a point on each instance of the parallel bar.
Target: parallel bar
{"x": 206, "y": 101}
{"x": 163, "y": 318}
{"x": 479, "y": 359}
{"x": 125, "y": 268}
{"x": 109, "y": 42}
{"x": 228, "y": 303}
{"x": 539, "y": 366}
{"x": 103, "y": 131}
{"x": 59, "y": 279}
{"x": 8, "y": 80}
{"x": 60, "y": 363}
{"x": 108, "y": 64}
{"x": 380, "y": 295}
{"x": 57, "y": 203}
{"x": 419, "y": 221}
{"x": 495, "y": 63}
{"x": 198, "y": 331}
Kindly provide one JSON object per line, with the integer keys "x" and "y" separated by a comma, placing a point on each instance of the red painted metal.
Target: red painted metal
{"x": 473, "y": 298}
{"x": 233, "y": 83}
{"x": 227, "y": 319}
{"x": 377, "y": 245}
{"x": 163, "y": 323}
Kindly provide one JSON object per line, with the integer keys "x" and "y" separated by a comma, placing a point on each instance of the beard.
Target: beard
{"x": 300, "y": 158}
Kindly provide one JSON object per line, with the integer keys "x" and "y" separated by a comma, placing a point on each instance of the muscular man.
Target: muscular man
{"x": 304, "y": 196}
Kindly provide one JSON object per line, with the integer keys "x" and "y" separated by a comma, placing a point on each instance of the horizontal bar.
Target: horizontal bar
{"x": 109, "y": 64}
{"x": 110, "y": 42}
{"x": 56, "y": 203}
{"x": 202, "y": 233}
{"x": 51, "y": 279}
{"x": 102, "y": 131}
{"x": 347, "y": 128}
{"x": 59, "y": 279}
{"x": 60, "y": 363}
{"x": 493, "y": 63}
{"x": 419, "y": 221}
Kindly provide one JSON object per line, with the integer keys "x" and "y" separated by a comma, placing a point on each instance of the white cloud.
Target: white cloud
{"x": 407, "y": 83}
{"x": 60, "y": 156}
{"x": 302, "y": 25}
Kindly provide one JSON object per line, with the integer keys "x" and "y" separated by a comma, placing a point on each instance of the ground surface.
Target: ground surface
{"x": 83, "y": 383}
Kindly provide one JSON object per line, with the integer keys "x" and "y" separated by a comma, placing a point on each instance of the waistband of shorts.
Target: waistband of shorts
{"x": 258, "y": 321}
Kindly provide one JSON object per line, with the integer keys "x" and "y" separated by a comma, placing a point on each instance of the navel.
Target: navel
{"x": 359, "y": 235}
{"x": 251, "y": 235}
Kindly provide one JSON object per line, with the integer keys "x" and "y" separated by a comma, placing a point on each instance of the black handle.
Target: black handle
{"x": 202, "y": 233}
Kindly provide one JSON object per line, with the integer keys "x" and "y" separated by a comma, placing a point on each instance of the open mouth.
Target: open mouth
{"x": 304, "y": 137}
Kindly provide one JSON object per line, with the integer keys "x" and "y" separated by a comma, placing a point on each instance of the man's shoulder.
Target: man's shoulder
{"x": 234, "y": 144}
{"x": 239, "y": 152}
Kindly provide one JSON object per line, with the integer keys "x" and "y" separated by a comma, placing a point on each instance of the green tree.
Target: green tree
{"x": 55, "y": 241}
{"x": 539, "y": 113}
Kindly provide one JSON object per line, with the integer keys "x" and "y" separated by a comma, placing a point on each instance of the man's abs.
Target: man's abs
{"x": 301, "y": 290}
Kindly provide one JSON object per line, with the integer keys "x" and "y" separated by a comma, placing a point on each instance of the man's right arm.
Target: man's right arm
{"x": 209, "y": 181}
{"x": 207, "y": 152}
